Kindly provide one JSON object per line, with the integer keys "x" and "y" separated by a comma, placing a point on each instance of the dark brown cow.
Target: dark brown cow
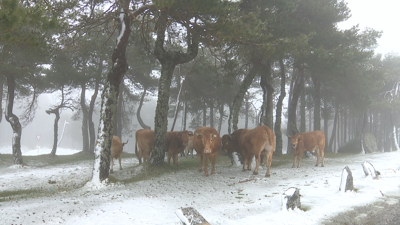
{"x": 176, "y": 143}
{"x": 189, "y": 146}
{"x": 249, "y": 143}
{"x": 232, "y": 143}
{"x": 309, "y": 141}
{"x": 206, "y": 143}
{"x": 144, "y": 144}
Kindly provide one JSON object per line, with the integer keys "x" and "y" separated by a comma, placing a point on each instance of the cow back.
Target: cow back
{"x": 313, "y": 139}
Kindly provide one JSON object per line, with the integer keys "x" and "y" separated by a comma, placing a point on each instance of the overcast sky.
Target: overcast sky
{"x": 381, "y": 15}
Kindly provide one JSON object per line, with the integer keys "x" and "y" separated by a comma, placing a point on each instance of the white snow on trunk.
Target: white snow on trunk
{"x": 343, "y": 181}
{"x": 123, "y": 26}
{"x": 396, "y": 144}
{"x": 62, "y": 133}
{"x": 362, "y": 147}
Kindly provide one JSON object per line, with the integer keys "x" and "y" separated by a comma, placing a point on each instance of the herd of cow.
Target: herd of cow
{"x": 207, "y": 143}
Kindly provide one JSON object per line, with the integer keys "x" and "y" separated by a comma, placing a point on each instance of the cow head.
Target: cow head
{"x": 226, "y": 142}
{"x": 184, "y": 136}
{"x": 294, "y": 141}
{"x": 207, "y": 138}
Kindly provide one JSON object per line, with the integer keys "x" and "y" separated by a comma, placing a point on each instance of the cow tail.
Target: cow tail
{"x": 123, "y": 144}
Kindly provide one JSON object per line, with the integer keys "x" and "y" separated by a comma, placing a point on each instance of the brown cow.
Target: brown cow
{"x": 232, "y": 143}
{"x": 309, "y": 141}
{"x": 117, "y": 146}
{"x": 206, "y": 143}
{"x": 176, "y": 142}
{"x": 144, "y": 144}
{"x": 189, "y": 146}
{"x": 249, "y": 143}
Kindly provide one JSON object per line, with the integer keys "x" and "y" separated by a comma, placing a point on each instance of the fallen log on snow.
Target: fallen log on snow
{"x": 190, "y": 216}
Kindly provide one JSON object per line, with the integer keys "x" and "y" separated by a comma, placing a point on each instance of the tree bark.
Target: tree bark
{"x": 92, "y": 134}
{"x": 85, "y": 130}
{"x": 14, "y": 121}
{"x": 138, "y": 116}
{"x": 297, "y": 87}
{"x": 238, "y": 100}
{"x": 119, "y": 67}
{"x": 56, "y": 112}
{"x": 317, "y": 103}
{"x": 333, "y": 136}
{"x": 1, "y": 100}
{"x": 279, "y": 106}
{"x": 169, "y": 60}
{"x": 268, "y": 91}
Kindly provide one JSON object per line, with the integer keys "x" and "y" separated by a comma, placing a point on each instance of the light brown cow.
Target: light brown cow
{"x": 250, "y": 143}
{"x": 144, "y": 144}
{"x": 309, "y": 141}
{"x": 176, "y": 142}
{"x": 117, "y": 146}
{"x": 189, "y": 146}
{"x": 206, "y": 143}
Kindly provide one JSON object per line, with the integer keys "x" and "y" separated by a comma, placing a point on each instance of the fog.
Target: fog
{"x": 42, "y": 126}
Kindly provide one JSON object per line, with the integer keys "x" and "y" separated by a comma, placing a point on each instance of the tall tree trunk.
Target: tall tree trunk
{"x": 119, "y": 67}
{"x": 204, "y": 113}
{"x": 14, "y": 121}
{"x": 268, "y": 91}
{"x": 1, "y": 100}
{"x": 238, "y": 100}
{"x": 85, "y": 130}
{"x": 56, "y": 113}
{"x": 303, "y": 107}
{"x": 178, "y": 103}
{"x": 279, "y": 106}
{"x": 168, "y": 60}
{"x": 297, "y": 87}
{"x": 119, "y": 113}
{"x": 317, "y": 103}
{"x": 211, "y": 115}
{"x": 92, "y": 134}
{"x": 333, "y": 136}
{"x": 247, "y": 110}
{"x": 184, "y": 117}
{"x": 138, "y": 116}
{"x": 326, "y": 118}
{"x": 221, "y": 117}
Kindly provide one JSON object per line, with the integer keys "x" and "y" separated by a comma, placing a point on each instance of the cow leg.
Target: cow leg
{"x": 268, "y": 156}
{"x": 258, "y": 159}
{"x": 200, "y": 157}
{"x": 213, "y": 164}
{"x": 119, "y": 160}
{"x": 206, "y": 165}
{"x": 299, "y": 159}
{"x": 175, "y": 159}
{"x": 249, "y": 161}
{"x": 318, "y": 155}
{"x": 294, "y": 160}
{"x": 111, "y": 165}
{"x": 322, "y": 158}
{"x": 244, "y": 164}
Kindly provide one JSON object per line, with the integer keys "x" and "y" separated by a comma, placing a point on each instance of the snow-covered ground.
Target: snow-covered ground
{"x": 60, "y": 194}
